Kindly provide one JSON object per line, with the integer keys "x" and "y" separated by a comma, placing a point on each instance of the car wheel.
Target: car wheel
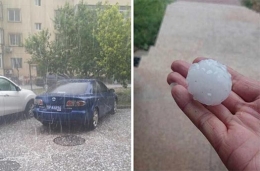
{"x": 94, "y": 120}
{"x": 28, "y": 112}
{"x": 114, "y": 110}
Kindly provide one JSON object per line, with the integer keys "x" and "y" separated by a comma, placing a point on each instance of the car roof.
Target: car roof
{"x": 78, "y": 80}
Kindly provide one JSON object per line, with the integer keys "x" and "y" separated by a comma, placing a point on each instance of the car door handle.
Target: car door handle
{"x": 6, "y": 95}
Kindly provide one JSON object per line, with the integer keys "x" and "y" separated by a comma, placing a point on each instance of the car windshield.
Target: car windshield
{"x": 75, "y": 88}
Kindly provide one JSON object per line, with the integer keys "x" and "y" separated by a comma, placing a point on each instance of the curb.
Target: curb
{"x": 124, "y": 107}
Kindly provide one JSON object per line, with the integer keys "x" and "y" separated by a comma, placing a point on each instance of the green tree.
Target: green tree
{"x": 114, "y": 36}
{"x": 65, "y": 39}
{"x": 39, "y": 46}
{"x": 88, "y": 43}
{"x": 76, "y": 47}
{"x": 252, "y": 4}
{"x": 88, "y": 46}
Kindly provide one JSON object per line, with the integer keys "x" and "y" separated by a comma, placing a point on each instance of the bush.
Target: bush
{"x": 39, "y": 81}
{"x": 124, "y": 96}
{"x": 148, "y": 15}
{"x": 252, "y": 4}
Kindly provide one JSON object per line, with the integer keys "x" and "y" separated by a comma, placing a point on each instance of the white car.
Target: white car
{"x": 14, "y": 99}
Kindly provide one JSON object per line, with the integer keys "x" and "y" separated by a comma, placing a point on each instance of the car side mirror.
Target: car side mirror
{"x": 18, "y": 88}
{"x": 111, "y": 90}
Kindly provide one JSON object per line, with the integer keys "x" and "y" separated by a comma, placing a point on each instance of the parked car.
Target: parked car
{"x": 81, "y": 101}
{"x": 14, "y": 99}
{"x": 51, "y": 79}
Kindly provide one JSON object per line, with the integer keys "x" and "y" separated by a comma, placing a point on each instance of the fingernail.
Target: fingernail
{"x": 173, "y": 84}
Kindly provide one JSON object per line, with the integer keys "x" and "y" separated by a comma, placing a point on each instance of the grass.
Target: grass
{"x": 124, "y": 95}
{"x": 148, "y": 15}
{"x": 252, "y": 4}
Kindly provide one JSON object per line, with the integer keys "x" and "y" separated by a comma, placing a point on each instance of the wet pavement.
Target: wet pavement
{"x": 26, "y": 145}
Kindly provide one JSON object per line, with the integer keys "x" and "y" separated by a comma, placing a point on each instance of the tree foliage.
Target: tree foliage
{"x": 89, "y": 43}
{"x": 252, "y": 4}
{"x": 114, "y": 36}
{"x": 39, "y": 46}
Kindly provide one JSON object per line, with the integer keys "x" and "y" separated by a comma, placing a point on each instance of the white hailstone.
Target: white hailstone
{"x": 209, "y": 82}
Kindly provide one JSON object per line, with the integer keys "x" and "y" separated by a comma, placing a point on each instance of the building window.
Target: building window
{"x": 16, "y": 62}
{"x": 1, "y": 60}
{"x": 38, "y": 26}
{"x": 38, "y": 2}
{"x": 14, "y": 15}
{"x": 15, "y": 39}
{"x": 125, "y": 10}
{"x": 57, "y": 13}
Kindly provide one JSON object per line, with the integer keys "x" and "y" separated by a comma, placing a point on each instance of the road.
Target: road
{"x": 26, "y": 145}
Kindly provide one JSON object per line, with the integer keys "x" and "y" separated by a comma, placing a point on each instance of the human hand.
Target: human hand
{"x": 233, "y": 127}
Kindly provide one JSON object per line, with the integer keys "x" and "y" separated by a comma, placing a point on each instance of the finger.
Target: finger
{"x": 246, "y": 88}
{"x": 233, "y": 102}
{"x": 251, "y": 121}
{"x": 221, "y": 112}
{"x": 175, "y": 77}
{"x": 213, "y": 129}
{"x": 198, "y": 59}
{"x": 252, "y": 108}
{"x": 181, "y": 67}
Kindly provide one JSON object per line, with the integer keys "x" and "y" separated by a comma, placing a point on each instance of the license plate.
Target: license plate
{"x": 57, "y": 108}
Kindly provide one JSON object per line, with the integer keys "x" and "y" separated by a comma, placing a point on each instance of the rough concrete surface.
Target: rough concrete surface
{"x": 164, "y": 138}
{"x": 227, "y": 2}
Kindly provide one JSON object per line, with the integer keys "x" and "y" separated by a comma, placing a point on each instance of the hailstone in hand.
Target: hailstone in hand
{"x": 209, "y": 82}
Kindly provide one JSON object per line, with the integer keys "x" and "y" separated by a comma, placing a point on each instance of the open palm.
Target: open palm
{"x": 233, "y": 127}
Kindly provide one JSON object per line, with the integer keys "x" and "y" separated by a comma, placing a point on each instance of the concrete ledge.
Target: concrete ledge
{"x": 124, "y": 106}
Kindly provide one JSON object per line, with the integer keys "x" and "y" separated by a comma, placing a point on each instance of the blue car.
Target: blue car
{"x": 81, "y": 101}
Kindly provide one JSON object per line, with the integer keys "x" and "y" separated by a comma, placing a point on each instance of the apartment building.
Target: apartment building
{"x": 19, "y": 19}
